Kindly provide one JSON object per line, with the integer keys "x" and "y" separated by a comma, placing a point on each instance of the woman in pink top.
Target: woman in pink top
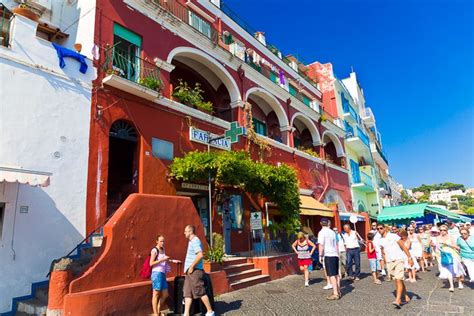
{"x": 159, "y": 267}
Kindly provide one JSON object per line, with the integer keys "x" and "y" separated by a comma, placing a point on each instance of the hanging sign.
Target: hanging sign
{"x": 200, "y": 136}
{"x": 256, "y": 220}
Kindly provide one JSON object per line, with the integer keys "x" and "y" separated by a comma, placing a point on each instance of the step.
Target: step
{"x": 249, "y": 282}
{"x": 238, "y": 268}
{"x": 233, "y": 261}
{"x": 243, "y": 275}
{"x": 41, "y": 293}
{"x": 33, "y": 306}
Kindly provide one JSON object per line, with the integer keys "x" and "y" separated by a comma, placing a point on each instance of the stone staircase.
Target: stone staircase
{"x": 241, "y": 274}
{"x": 37, "y": 304}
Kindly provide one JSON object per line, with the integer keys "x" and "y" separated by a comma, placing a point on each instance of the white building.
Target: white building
{"x": 444, "y": 195}
{"x": 44, "y": 140}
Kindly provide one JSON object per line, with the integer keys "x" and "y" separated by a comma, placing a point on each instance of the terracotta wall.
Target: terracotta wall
{"x": 128, "y": 237}
{"x": 278, "y": 266}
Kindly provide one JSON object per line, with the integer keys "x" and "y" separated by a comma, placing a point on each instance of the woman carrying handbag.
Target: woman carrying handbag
{"x": 450, "y": 264}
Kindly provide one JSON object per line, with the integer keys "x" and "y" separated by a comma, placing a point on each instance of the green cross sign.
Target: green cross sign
{"x": 234, "y": 132}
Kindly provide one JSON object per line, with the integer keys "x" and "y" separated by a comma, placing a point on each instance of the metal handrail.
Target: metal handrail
{"x": 132, "y": 68}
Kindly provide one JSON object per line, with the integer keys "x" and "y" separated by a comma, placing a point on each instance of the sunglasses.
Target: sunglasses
{"x": 443, "y": 230}
{"x": 379, "y": 228}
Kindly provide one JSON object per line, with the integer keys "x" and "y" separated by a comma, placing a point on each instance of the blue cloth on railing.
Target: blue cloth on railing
{"x": 66, "y": 52}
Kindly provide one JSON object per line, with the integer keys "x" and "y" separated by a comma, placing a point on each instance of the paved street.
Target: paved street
{"x": 288, "y": 296}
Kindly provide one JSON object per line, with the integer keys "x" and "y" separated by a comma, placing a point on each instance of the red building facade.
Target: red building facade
{"x": 136, "y": 131}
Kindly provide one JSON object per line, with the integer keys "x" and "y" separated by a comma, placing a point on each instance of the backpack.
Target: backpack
{"x": 145, "y": 272}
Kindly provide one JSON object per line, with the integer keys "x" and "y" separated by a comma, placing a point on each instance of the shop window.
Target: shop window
{"x": 126, "y": 53}
{"x": 199, "y": 24}
{"x": 162, "y": 149}
{"x": 2, "y": 214}
{"x": 259, "y": 127}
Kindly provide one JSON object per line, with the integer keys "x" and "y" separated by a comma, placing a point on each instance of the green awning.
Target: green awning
{"x": 409, "y": 211}
{"x": 464, "y": 219}
{"x": 442, "y": 212}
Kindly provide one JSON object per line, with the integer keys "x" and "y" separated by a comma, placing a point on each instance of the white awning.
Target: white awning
{"x": 23, "y": 176}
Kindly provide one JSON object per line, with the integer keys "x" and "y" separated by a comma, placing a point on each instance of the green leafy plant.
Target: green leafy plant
{"x": 278, "y": 184}
{"x": 151, "y": 83}
{"x": 216, "y": 252}
{"x": 308, "y": 151}
{"x": 192, "y": 95}
{"x": 323, "y": 118}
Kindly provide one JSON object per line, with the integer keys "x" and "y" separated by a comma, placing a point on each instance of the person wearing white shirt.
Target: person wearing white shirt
{"x": 378, "y": 252}
{"x": 329, "y": 253}
{"x": 342, "y": 253}
{"x": 351, "y": 241}
{"x": 393, "y": 250}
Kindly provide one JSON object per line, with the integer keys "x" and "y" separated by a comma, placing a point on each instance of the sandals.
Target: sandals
{"x": 397, "y": 305}
{"x": 333, "y": 297}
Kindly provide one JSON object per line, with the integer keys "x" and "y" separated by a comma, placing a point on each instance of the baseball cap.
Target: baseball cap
{"x": 324, "y": 221}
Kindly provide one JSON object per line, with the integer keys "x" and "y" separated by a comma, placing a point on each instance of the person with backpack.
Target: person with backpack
{"x": 159, "y": 267}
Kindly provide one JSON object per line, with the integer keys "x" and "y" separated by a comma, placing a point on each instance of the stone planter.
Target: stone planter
{"x": 26, "y": 12}
{"x": 212, "y": 266}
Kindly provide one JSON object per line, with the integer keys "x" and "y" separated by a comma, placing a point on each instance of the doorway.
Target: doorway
{"x": 123, "y": 172}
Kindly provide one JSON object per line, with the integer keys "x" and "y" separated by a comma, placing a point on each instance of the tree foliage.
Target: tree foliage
{"x": 426, "y": 188}
{"x": 279, "y": 184}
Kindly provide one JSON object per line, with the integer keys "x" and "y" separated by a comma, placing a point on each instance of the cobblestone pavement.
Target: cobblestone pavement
{"x": 288, "y": 296}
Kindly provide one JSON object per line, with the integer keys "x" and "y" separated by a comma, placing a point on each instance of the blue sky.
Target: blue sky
{"x": 414, "y": 59}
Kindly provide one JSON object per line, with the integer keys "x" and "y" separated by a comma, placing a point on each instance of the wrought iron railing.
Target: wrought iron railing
{"x": 181, "y": 12}
{"x": 363, "y": 137}
{"x": 5, "y": 21}
{"x": 272, "y": 48}
{"x": 133, "y": 68}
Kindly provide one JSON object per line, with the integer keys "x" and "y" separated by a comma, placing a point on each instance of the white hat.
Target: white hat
{"x": 434, "y": 229}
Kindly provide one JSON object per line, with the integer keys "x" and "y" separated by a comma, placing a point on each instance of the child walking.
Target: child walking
{"x": 372, "y": 256}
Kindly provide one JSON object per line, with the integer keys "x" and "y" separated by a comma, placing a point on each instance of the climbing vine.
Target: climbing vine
{"x": 252, "y": 136}
{"x": 279, "y": 184}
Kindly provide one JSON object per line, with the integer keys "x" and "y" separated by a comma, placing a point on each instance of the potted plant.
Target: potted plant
{"x": 214, "y": 257}
{"x": 192, "y": 96}
{"x": 150, "y": 82}
{"x": 26, "y": 11}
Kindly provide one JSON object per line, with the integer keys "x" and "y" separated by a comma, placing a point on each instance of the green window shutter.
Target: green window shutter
{"x": 292, "y": 90}
{"x": 259, "y": 127}
{"x": 306, "y": 100}
{"x": 128, "y": 35}
{"x": 273, "y": 77}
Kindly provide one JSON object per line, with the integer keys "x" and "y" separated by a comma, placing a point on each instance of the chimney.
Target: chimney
{"x": 260, "y": 36}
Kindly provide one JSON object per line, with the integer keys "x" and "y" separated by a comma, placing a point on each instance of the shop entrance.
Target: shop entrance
{"x": 123, "y": 172}
{"x": 200, "y": 197}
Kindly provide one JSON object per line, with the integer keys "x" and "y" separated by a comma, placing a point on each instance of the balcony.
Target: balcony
{"x": 368, "y": 117}
{"x": 131, "y": 74}
{"x": 181, "y": 12}
{"x": 379, "y": 156}
{"x": 350, "y": 113}
{"x": 356, "y": 139}
{"x": 362, "y": 182}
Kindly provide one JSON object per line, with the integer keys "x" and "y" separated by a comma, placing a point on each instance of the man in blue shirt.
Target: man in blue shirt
{"x": 193, "y": 270}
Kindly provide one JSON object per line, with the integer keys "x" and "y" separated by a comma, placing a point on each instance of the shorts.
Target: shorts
{"x": 194, "y": 285}
{"x": 158, "y": 281}
{"x": 396, "y": 269}
{"x": 331, "y": 264}
{"x": 374, "y": 265}
{"x": 305, "y": 262}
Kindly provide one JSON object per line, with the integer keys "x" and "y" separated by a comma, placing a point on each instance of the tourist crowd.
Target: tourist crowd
{"x": 395, "y": 253}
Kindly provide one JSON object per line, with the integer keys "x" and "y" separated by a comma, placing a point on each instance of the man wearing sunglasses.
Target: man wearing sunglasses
{"x": 393, "y": 248}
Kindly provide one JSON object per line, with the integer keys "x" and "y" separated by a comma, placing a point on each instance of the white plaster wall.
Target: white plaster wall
{"x": 76, "y": 18}
{"x": 44, "y": 126}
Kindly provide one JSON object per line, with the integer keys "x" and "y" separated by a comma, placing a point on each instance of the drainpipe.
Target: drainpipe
{"x": 326, "y": 187}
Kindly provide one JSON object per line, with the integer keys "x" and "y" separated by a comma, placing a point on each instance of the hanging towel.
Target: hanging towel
{"x": 65, "y": 52}
{"x": 282, "y": 77}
